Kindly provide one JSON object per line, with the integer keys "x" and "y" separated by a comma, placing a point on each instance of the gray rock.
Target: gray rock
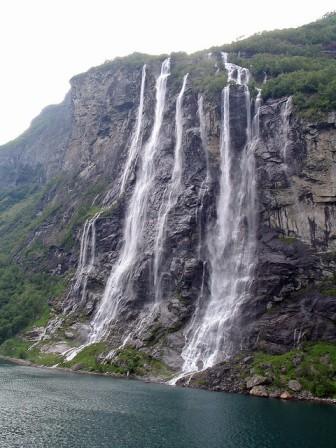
{"x": 275, "y": 393}
{"x": 248, "y": 359}
{"x": 55, "y": 348}
{"x": 259, "y": 391}
{"x": 85, "y": 142}
{"x": 256, "y": 380}
{"x": 77, "y": 367}
{"x": 285, "y": 395}
{"x": 69, "y": 334}
{"x": 294, "y": 385}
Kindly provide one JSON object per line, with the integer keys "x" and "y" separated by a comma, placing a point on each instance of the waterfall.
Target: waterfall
{"x": 265, "y": 78}
{"x": 237, "y": 74}
{"x": 87, "y": 254}
{"x": 285, "y": 116}
{"x": 231, "y": 242}
{"x": 174, "y": 190}
{"x": 119, "y": 279}
{"x": 136, "y": 139}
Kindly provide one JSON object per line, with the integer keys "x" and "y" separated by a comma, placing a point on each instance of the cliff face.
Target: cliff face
{"x": 296, "y": 299}
{"x": 38, "y": 154}
{"x": 156, "y": 276}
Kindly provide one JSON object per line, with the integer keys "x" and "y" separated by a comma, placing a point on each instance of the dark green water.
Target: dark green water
{"x": 51, "y": 409}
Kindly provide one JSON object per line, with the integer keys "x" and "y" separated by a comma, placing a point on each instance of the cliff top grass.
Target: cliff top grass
{"x": 297, "y": 61}
{"x": 300, "y": 62}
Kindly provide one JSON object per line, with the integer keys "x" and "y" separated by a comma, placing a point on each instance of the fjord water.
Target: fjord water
{"x": 46, "y": 408}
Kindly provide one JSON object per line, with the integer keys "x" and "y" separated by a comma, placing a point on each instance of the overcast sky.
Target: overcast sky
{"x": 45, "y": 42}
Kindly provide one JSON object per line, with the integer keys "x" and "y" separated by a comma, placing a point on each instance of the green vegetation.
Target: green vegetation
{"x": 22, "y": 212}
{"x": 314, "y": 366}
{"x": 134, "y": 61}
{"x": 24, "y": 294}
{"x": 84, "y": 209}
{"x": 298, "y": 62}
{"x": 26, "y": 285}
{"x": 307, "y": 40}
{"x": 89, "y": 359}
{"x": 24, "y": 297}
{"x": 18, "y": 348}
{"x": 9, "y": 198}
{"x": 327, "y": 286}
{"x": 127, "y": 361}
{"x": 202, "y": 73}
{"x": 289, "y": 240}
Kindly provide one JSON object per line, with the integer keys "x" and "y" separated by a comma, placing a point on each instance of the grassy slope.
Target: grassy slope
{"x": 314, "y": 366}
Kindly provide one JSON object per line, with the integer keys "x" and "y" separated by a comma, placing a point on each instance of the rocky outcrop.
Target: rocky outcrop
{"x": 38, "y": 154}
{"x": 86, "y": 140}
{"x": 295, "y": 297}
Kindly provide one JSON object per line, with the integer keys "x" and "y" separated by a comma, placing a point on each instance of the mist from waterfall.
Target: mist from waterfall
{"x": 172, "y": 193}
{"x": 231, "y": 242}
{"x": 119, "y": 278}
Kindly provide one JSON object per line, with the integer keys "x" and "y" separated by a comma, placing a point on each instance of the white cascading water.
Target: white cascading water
{"x": 86, "y": 262}
{"x": 134, "y": 226}
{"x": 87, "y": 255}
{"x": 231, "y": 243}
{"x": 137, "y": 136}
{"x": 173, "y": 191}
{"x": 285, "y": 115}
{"x": 134, "y": 221}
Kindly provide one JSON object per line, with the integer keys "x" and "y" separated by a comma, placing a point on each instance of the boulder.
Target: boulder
{"x": 285, "y": 395}
{"x": 69, "y": 335}
{"x": 248, "y": 359}
{"x": 35, "y": 334}
{"x": 275, "y": 393}
{"x": 56, "y": 348}
{"x": 77, "y": 367}
{"x": 294, "y": 385}
{"x": 256, "y": 380}
{"x": 259, "y": 391}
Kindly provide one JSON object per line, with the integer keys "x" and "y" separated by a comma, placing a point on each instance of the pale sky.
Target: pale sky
{"x": 46, "y": 42}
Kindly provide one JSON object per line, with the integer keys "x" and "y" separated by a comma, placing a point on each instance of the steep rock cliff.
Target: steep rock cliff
{"x": 75, "y": 155}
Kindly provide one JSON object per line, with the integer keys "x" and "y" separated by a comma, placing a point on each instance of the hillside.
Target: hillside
{"x": 176, "y": 214}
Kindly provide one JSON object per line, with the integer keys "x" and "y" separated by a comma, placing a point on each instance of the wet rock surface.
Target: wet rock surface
{"x": 293, "y": 296}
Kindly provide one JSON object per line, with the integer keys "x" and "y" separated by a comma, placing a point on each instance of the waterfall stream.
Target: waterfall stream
{"x": 227, "y": 248}
{"x": 118, "y": 280}
{"x": 231, "y": 242}
{"x": 136, "y": 139}
{"x": 173, "y": 192}
{"x": 87, "y": 256}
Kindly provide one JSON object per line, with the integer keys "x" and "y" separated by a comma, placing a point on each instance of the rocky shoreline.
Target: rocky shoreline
{"x": 245, "y": 375}
{"x": 257, "y": 385}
